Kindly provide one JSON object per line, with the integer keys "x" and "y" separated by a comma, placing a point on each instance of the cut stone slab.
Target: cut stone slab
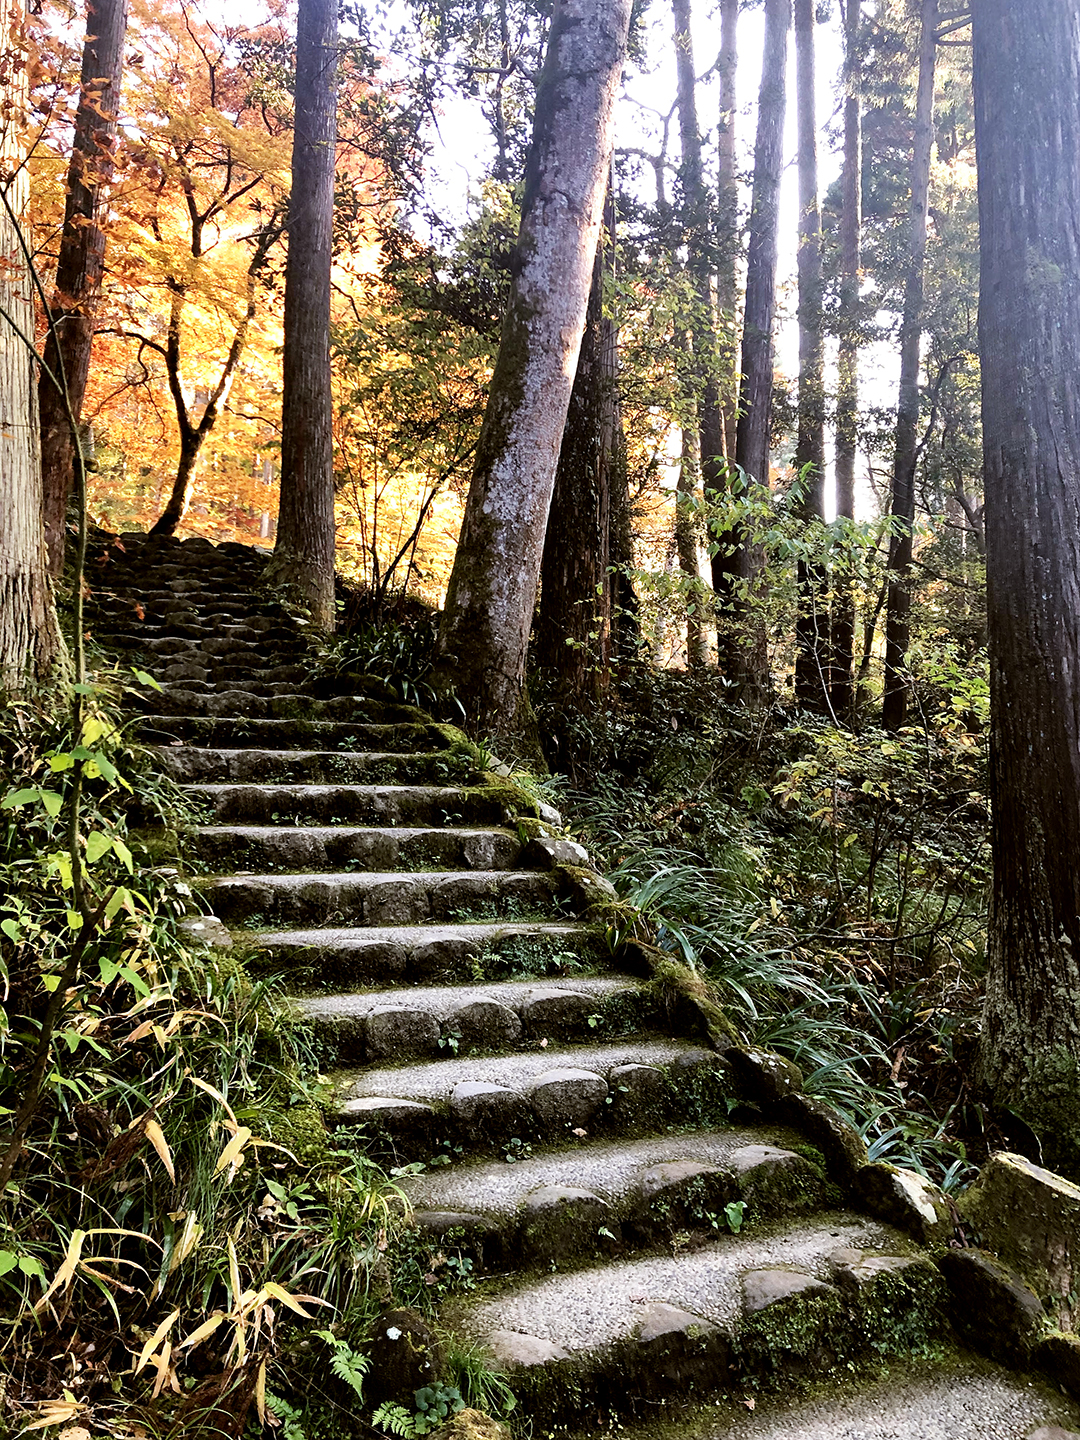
{"x": 396, "y": 1031}
{"x": 774, "y": 1181}
{"x": 567, "y": 1097}
{"x": 674, "y": 1351}
{"x": 489, "y": 1111}
{"x": 515, "y": 1350}
{"x": 905, "y": 1199}
{"x": 205, "y": 930}
{"x": 385, "y": 847}
{"x": 564, "y": 1222}
{"x": 762, "y": 1288}
{"x": 992, "y": 1306}
{"x": 1030, "y": 1218}
{"x": 1058, "y": 1356}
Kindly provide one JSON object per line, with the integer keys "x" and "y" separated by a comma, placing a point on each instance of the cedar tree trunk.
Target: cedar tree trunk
{"x": 847, "y": 387}
{"x": 82, "y": 259}
{"x": 303, "y": 557}
{"x": 1027, "y": 116}
{"x": 898, "y": 605}
{"x": 812, "y": 628}
{"x": 727, "y": 247}
{"x": 492, "y": 589}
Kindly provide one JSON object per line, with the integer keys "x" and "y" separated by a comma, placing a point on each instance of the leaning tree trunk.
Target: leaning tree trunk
{"x": 1027, "y": 118}
{"x": 572, "y": 629}
{"x": 81, "y": 262}
{"x": 30, "y": 643}
{"x": 727, "y": 239}
{"x": 492, "y": 587}
{"x": 812, "y": 627}
{"x": 735, "y": 564}
{"x": 303, "y": 558}
{"x": 847, "y": 387}
{"x": 898, "y": 606}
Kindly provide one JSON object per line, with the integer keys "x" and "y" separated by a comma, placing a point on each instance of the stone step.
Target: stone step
{"x": 353, "y": 847}
{"x": 607, "y": 1197}
{"x": 317, "y": 959}
{"x": 379, "y": 898}
{"x": 130, "y": 632}
{"x": 775, "y": 1303}
{"x": 421, "y": 1022}
{"x": 432, "y": 806}
{"x": 251, "y": 705}
{"x": 509, "y": 1102}
{"x": 270, "y": 678}
{"x": 237, "y": 733}
{"x": 319, "y": 767}
{"x": 234, "y": 647}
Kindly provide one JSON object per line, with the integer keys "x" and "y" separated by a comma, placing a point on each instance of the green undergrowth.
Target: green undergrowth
{"x": 827, "y": 887}
{"x": 182, "y": 1248}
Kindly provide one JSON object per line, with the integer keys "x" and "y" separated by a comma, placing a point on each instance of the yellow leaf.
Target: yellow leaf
{"x": 205, "y": 1330}
{"x": 163, "y": 1368}
{"x": 233, "y": 1149}
{"x": 278, "y": 1292}
{"x": 260, "y": 1393}
{"x": 234, "y": 1273}
{"x": 66, "y": 1273}
{"x": 155, "y": 1340}
{"x": 216, "y": 1094}
{"x": 188, "y": 1242}
{"x": 156, "y": 1136}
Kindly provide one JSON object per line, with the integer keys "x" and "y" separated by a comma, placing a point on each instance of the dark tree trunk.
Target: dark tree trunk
{"x": 686, "y": 547}
{"x": 898, "y": 606}
{"x": 812, "y": 630}
{"x": 492, "y": 589}
{"x": 303, "y": 557}
{"x": 1027, "y": 117}
{"x": 847, "y": 388}
{"x": 727, "y": 240}
{"x": 82, "y": 260}
{"x": 735, "y": 564}
{"x": 572, "y": 631}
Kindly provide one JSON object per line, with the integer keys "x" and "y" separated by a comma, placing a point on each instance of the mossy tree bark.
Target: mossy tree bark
{"x": 812, "y": 626}
{"x": 30, "y": 643}
{"x": 492, "y": 587}
{"x": 898, "y": 603}
{"x": 303, "y": 558}
{"x": 736, "y": 566}
{"x": 81, "y": 262}
{"x": 1027, "y": 117}
{"x": 847, "y": 380}
{"x": 728, "y": 236}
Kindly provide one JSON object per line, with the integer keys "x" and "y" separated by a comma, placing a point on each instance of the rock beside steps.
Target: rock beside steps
{"x": 636, "y": 1217}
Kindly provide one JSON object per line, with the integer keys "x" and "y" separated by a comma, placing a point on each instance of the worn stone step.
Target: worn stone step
{"x": 129, "y": 632}
{"x": 319, "y": 959}
{"x": 433, "y": 806}
{"x": 250, "y": 704}
{"x": 353, "y": 847}
{"x": 320, "y": 767}
{"x": 774, "y": 1303}
{"x": 419, "y": 1022}
{"x": 608, "y": 1197}
{"x": 456, "y": 1105}
{"x": 379, "y": 898}
{"x": 211, "y": 675}
{"x": 237, "y": 733}
{"x": 238, "y": 645}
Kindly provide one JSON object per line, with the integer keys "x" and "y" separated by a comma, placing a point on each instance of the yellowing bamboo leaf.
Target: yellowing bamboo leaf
{"x": 188, "y": 1243}
{"x": 233, "y": 1149}
{"x": 156, "y": 1136}
{"x": 54, "y": 1412}
{"x": 163, "y": 1369}
{"x": 216, "y": 1094}
{"x": 66, "y": 1273}
{"x": 155, "y": 1340}
{"x": 278, "y": 1292}
{"x": 260, "y": 1393}
{"x": 234, "y": 1273}
{"x": 204, "y": 1331}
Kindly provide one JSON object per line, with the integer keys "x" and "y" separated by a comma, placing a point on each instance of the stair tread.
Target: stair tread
{"x": 594, "y": 1308}
{"x": 433, "y": 1082}
{"x": 608, "y": 1167}
{"x": 363, "y": 937}
{"x": 443, "y": 1000}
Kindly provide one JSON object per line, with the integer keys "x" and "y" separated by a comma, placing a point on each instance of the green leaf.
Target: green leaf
{"x": 12, "y": 929}
{"x": 60, "y": 762}
{"x": 119, "y": 897}
{"x": 74, "y": 920}
{"x": 97, "y": 845}
{"x": 52, "y": 801}
{"x": 124, "y": 855}
{"x": 31, "y": 1265}
{"x": 109, "y": 970}
{"x": 105, "y": 768}
{"x": 83, "y": 689}
{"x": 8, "y": 1261}
{"x": 135, "y": 980}
{"x": 15, "y": 798}
{"x": 144, "y": 679}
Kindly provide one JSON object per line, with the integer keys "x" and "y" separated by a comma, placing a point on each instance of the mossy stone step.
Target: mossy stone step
{"x": 421, "y": 1022}
{"x": 318, "y": 959}
{"x": 353, "y": 847}
{"x": 434, "y": 806}
{"x": 213, "y": 765}
{"x": 762, "y": 1307}
{"x": 465, "y": 1105}
{"x": 237, "y": 733}
{"x": 249, "y": 704}
{"x": 379, "y": 898}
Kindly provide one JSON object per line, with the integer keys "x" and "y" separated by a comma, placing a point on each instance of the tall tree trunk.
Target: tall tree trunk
{"x": 812, "y": 630}
{"x": 727, "y": 240}
{"x": 847, "y": 389}
{"x": 303, "y": 557}
{"x": 1027, "y": 118}
{"x": 735, "y": 565}
{"x": 572, "y": 629}
{"x": 81, "y": 262}
{"x": 686, "y": 546}
{"x": 30, "y": 644}
{"x": 709, "y": 443}
{"x": 492, "y": 588}
{"x": 898, "y": 606}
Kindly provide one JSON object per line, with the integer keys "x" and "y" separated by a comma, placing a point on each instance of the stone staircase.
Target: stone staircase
{"x": 642, "y": 1217}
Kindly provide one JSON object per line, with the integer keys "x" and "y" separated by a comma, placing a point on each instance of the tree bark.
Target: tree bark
{"x": 1027, "y": 116}
{"x": 30, "y": 644}
{"x": 898, "y": 605}
{"x": 81, "y": 262}
{"x": 492, "y": 588}
{"x": 812, "y": 626}
{"x": 847, "y": 388}
{"x": 686, "y": 547}
{"x": 572, "y": 632}
{"x": 303, "y": 557}
{"x": 735, "y": 565}
{"x": 727, "y": 240}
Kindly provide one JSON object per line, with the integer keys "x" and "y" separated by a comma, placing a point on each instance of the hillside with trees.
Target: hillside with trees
{"x": 629, "y": 448}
